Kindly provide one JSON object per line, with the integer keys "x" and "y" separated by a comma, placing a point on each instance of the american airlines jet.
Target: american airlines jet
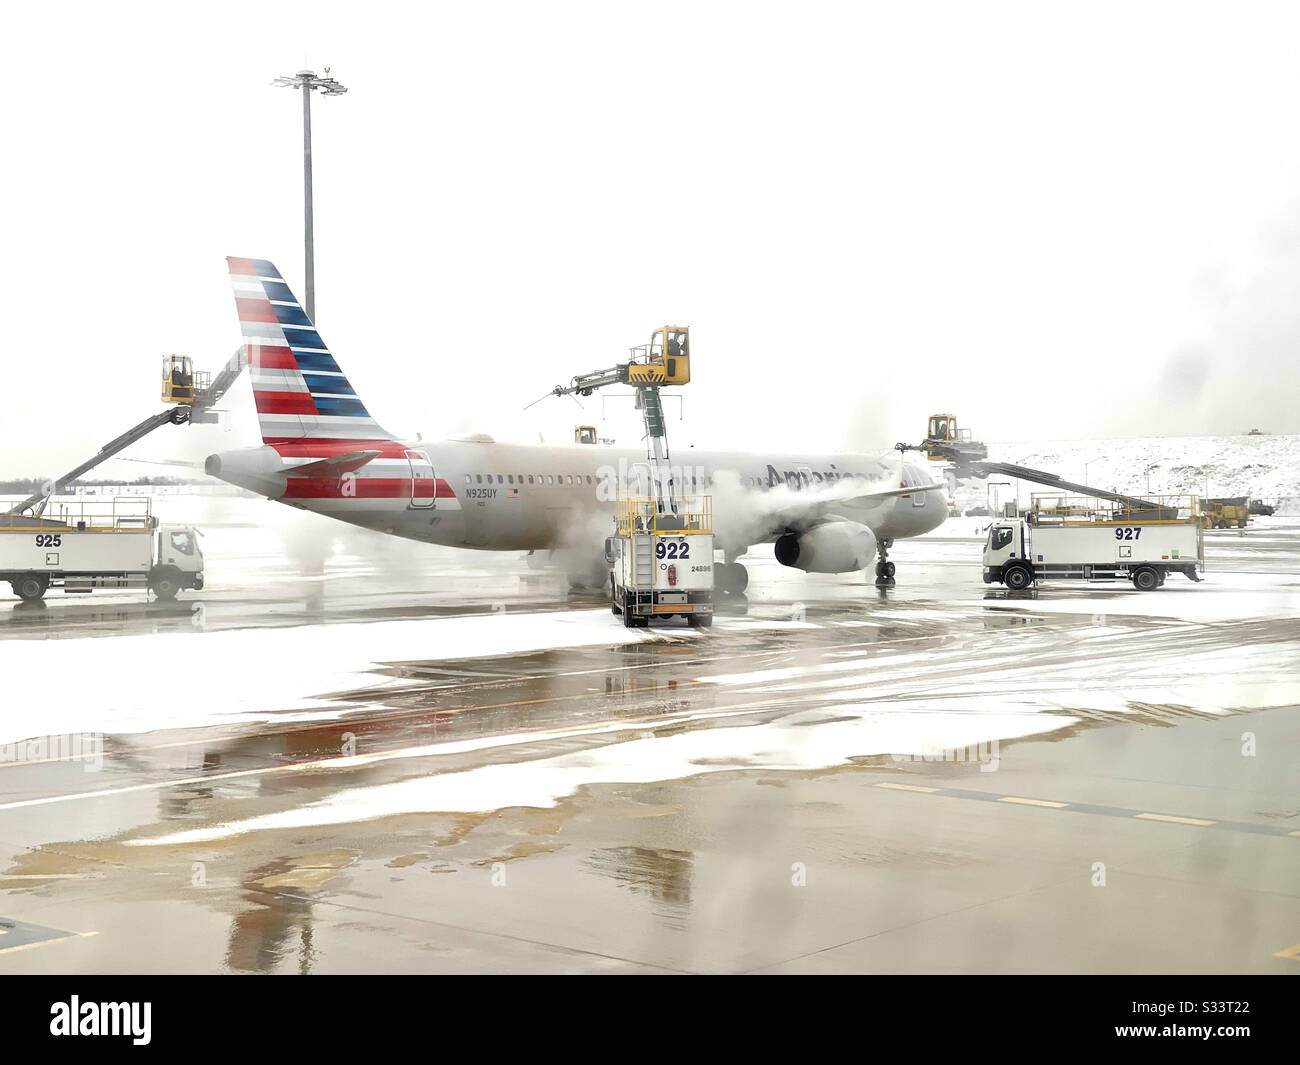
{"x": 322, "y": 451}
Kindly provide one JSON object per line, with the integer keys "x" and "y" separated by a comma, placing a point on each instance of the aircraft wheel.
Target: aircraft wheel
{"x": 735, "y": 578}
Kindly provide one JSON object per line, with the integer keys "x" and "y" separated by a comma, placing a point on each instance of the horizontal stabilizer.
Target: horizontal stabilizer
{"x": 334, "y": 466}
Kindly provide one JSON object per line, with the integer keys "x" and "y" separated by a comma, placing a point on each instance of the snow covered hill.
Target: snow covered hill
{"x": 1259, "y": 467}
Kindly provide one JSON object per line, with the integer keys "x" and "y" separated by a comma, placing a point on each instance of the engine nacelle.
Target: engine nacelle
{"x": 834, "y": 547}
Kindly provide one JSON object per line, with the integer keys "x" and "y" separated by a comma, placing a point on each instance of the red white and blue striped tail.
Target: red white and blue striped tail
{"x": 299, "y": 389}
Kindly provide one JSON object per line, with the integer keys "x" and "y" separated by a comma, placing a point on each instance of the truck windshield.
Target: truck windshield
{"x": 182, "y": 542}
{"x": 999, "y": 538}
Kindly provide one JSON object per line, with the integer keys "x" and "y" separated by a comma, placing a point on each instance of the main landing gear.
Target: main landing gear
{"x": 884, "y": 568}
{"x": 730, "y": 577}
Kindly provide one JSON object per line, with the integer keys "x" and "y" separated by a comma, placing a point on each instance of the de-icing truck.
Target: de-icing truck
{"x": 1088, "y": 539}
{"x": 80, "y": 545}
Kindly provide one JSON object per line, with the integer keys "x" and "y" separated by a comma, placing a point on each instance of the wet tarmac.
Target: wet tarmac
{"x": 478, "y": 770}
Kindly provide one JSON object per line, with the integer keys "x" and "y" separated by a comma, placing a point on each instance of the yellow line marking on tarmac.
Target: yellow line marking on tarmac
{"x": 905, "y": 787}
{"x": 1033, "y": 802}
{"x": 1175, "y": 820}
{"x": 1290, "y": 953}
{"x": 47, "y": 942}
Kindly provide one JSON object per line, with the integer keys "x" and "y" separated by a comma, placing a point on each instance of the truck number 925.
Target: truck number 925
{"x": 49, "y": 540}
{"x": 680, "y": 549}
{"x": 1128, "y": 532}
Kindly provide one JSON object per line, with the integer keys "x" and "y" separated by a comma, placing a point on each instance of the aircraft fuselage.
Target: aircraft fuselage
{"x": 494, "y": 496}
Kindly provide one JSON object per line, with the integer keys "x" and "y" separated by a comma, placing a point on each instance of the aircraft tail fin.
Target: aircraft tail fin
{"x": 299, "y": 389}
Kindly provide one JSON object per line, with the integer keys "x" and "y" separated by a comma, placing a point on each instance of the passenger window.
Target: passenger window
{"x": 510, "y": 477}
{"x": 550, "y": 478}
{"x": 500, "y": 479}
{"x": 468, "y": 479}
{"x": 530, "y": 478}
{"x": 478, "y": 477}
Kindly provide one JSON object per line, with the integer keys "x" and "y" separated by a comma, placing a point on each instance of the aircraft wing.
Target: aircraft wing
{"x": 798, "y": 512}
{"x": 772, "y": 517}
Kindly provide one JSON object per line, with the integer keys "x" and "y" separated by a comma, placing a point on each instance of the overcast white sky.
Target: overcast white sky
{"x": 1059, "y": 220}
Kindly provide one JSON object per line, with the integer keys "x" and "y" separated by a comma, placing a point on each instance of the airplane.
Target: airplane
{"x": 322, "y": 451}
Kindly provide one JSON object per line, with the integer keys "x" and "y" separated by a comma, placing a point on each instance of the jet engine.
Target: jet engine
{"x": 832, "y": 547}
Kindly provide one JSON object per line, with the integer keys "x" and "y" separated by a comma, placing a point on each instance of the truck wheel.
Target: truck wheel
{"x": 1146, "y": 579}
{"x": 165, "y": 587}
{"x": 631, "y": 620}
{"x": 1017, "y": 578}
{"x": 30, "y": 588}
{"x": 1241, "y": 523}
{"x": 699, "y": 621}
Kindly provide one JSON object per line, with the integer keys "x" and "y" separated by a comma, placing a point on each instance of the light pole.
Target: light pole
{"x": 1089, "y": 463}
{"x": 307, "y": 80}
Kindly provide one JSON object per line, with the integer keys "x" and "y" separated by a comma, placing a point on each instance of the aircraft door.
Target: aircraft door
{"x": 424, "y": 486}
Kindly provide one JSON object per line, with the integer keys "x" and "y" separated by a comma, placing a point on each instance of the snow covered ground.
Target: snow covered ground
{"x": 1259, "y": 467}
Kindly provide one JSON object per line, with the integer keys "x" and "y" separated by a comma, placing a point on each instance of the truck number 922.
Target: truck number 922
{"x": 679, "y": 549}
{"x": 49, "y": 540}
{"x": 1128, "y": 532}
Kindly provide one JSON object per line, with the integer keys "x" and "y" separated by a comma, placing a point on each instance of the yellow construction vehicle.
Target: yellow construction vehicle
{"x": 1224, "y": 512}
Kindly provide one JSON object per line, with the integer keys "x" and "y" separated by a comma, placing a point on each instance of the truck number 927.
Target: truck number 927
{"x": 1128, "y": 532}
{"x": 49, "y": 540}
{"x": 680, "y": 549}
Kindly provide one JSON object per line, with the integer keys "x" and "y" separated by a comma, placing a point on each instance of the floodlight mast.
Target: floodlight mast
{"x": 307, "y": 80}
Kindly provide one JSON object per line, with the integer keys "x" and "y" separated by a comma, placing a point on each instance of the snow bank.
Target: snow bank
{"x": 1259, "y": 467}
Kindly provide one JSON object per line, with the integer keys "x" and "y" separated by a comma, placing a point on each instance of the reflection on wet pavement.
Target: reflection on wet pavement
{"x": 799, "y": 788}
